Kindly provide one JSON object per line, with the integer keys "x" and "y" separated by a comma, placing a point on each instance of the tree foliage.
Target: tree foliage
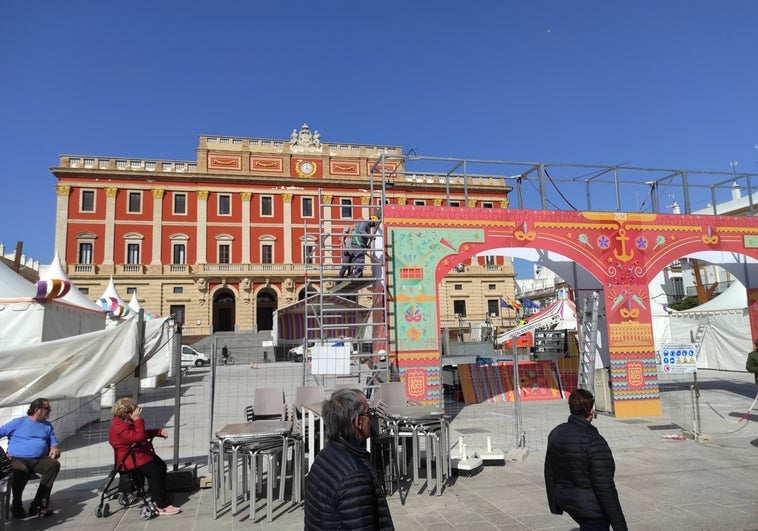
{"x": 685, "y": 304}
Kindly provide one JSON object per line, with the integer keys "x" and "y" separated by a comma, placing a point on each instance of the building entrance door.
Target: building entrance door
{"x": 264, "y": 314}
{"x": 223, "y": 311}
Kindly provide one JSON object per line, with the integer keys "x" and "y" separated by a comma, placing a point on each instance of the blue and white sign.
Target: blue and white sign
{"x": 678, "y": 358}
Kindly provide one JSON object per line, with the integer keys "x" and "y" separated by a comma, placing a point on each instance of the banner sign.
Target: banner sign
{"x": 678, "y": 358}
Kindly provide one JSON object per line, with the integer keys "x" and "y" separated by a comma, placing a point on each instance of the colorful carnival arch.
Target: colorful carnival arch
{"x": 622, "y": 252}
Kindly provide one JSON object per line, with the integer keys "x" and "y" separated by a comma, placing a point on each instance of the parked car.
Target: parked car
{"x": 191, "y": 357}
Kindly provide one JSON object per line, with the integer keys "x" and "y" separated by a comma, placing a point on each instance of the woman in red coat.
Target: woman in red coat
{"x": 128, "y": 428}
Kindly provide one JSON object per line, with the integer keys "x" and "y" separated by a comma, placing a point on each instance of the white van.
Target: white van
{"x": 191, "y": 357}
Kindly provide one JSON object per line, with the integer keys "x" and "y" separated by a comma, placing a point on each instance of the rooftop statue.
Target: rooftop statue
{"x": 304, "y": 140}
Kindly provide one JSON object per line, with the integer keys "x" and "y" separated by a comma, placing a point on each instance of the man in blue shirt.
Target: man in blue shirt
{"x": 32, "y": 447}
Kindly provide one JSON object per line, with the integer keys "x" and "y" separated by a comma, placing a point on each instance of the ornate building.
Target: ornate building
{"x": 224, "y": 240}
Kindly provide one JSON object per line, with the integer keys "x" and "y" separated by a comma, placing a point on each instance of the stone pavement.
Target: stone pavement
{"x": 664, "y": 483}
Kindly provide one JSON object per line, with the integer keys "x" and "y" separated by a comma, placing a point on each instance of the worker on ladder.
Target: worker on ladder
{"x": 363, "y": 233}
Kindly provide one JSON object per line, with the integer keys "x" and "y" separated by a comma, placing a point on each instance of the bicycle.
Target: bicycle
{"x": 221, "y": 360}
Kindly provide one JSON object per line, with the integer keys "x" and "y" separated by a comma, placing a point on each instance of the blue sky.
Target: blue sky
{"x": 656, "y": 84}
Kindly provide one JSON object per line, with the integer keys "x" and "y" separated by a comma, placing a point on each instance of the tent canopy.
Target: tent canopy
{"x": 725, "y": 322}
{"x": 289, "y": 321}
{"x": 33, "y": 313}
{"x": 565, "y": 309}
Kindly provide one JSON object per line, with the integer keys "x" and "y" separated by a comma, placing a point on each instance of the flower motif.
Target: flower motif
{"x": 603, "y": 242}
{"x": 641, "y": 243}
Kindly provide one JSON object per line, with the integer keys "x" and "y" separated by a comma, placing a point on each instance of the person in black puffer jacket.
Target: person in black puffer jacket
{"x": 341, "y": 489}
{"x": 579, "y": 470}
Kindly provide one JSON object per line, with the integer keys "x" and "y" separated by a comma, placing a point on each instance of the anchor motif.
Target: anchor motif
{"x": 623, "y": 256}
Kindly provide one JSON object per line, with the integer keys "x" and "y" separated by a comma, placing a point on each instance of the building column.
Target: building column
{"x": 245, "y": 258}
{"x": 202, "y": 220}
{"x": 110, "y": 224}
{"x": 157, "y": 226}
{"x": 61, "y": 220}
{"x": 287, "y": 220}
{"x": 326, "y": 216}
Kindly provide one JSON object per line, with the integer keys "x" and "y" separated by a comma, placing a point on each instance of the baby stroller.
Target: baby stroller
{"x": 128, "y": 490}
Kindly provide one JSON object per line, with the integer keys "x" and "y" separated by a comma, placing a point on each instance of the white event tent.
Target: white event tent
{"x": 54, "y": 343}
{"x": 726, "y": 324}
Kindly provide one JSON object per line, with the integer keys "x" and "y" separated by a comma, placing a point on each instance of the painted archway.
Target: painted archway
{"x": 621, "y": 251}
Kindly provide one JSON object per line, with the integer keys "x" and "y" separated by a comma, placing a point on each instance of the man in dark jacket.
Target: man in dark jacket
{"x": 341, "y": 489}
{"x": 579, "y": 470}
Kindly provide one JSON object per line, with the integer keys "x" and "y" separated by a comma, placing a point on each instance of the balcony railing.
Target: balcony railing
{"x": 132, "y": 268}
{"x": 253, "y": 268}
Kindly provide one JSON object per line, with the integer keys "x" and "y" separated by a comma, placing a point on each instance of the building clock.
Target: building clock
{"x": 305, "y": 168}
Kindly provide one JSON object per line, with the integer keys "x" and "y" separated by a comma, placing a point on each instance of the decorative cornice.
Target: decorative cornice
{"x": 365, "y": 199}
{"x": 202, "y": 195}
{"x": 437, "y": 201}
{"x": 63, "y": 190}
{"x": 327, "y": 199}
{"x": 246, "y": 196}
{"x": 472, "y": 203}
{"x": 402, "y": 200}
{"x": 287, "y": 197}
{"x": 158, "y": 193}
{"x": 111, "y": 191}
{"x": 504, "y": 203}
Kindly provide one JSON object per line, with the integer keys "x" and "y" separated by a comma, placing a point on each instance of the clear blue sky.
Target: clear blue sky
{"x": 669, "y": 83}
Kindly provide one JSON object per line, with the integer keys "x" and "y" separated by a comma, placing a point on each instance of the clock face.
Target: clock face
{"x": 305, "y": 168}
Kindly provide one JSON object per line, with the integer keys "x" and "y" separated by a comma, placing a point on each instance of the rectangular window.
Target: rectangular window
{"x": 180, "y": 203}
{"x": 493, "y": 307}
{"x": 455, "y": 203}
{"x": 489, "y": 260}
{"x": 177, "y": 290}
{"x": 491, "y": 286}
{"x": 135, "y": 203}
{"x": 179, "y": 255}
{"x": 178, "y": 311}
{"x": 307, "y": 207}
{"x": 88, "y": 201}
{"x": 85, "y": 291}
{"x": 678, "y": 285}
{"x": 486, "y": 205}
{"x": 267, "y": 206}
{"x": 458, "y": 287}
{"x": 459, "y": 307}
{"x": 224, "y": 253}
{"x": 419, "y": 202}
{"x": 132, "y": 253}
{"x": 346, "y": 208}
{"x": 308, "y": 250}
{"x": 131, "y": 290}
{"x": 267, "y": 254}
{"x": 224, "y": 205}
{"x": 85, "y": 253}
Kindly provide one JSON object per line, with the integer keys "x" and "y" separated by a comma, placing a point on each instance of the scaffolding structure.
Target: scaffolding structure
{"x": 345, "y": 310}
